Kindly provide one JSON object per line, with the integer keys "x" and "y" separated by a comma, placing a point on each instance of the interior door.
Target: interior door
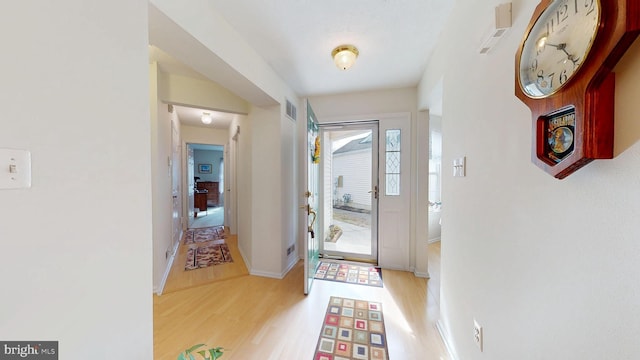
{"x": 175, "y": 183}
{"x": 312, "y": 159}
{"x": 190, "y": 184}
{"x": 226, "y": 189}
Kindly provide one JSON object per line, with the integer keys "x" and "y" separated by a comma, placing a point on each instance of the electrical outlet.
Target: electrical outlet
{"x": 477, "y": 334}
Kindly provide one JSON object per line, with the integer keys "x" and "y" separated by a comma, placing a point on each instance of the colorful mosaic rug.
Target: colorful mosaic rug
{"x": 204, "y": 256}
{"x": 352, "y": 329}
{"x": 200, "y": 235}
{"x": 349, "y": 273}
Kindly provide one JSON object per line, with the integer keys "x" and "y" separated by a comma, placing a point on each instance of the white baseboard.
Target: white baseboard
{"x": 244, "y": 258}
{"x": 444, "y": 336}
{"x": 163, "y": 282}
{"x": 266, "y": 274}
{"x": 422, "y": 274}
{"x": 274, "y": 275}
{"x": 294, "y": 260}
{"x": 258, "y": 272}
{"x": 434, "y": 240}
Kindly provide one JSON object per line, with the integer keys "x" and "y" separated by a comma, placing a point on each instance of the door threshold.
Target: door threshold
{"x": 331, "y": 257}
{"x": 348, "y": 259}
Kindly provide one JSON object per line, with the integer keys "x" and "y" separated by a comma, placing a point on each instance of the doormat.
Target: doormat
{"x": 200, "y": 235}
{"x": 352, "y": 329}
{"x": 204, "y": 256}
{"x": 349, "y": 273}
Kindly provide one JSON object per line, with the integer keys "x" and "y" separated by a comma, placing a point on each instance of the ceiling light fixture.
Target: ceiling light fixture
{"x": 345, "y": 56}
{"x": 206, "y": 118}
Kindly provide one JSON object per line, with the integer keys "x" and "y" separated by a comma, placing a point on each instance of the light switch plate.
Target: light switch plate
{"x": 15, "y": 169}
{"x": 460, "y": 167}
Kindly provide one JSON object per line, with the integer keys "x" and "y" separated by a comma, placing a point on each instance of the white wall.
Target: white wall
{"x": 267, "y": 191}
{"x": 183, "y": 90}
{"x": 244, "y": 179}
{"x": 198, "y": 36}
{"x": 201, "y": 135}
{"x": 75, "y": 264}
{"x": 548, "y": 267}
{"x": 212, "y": 157}
{"x": 289, "y": 210}
{"x": 161, "y": 181}
{"x": 355, "y": 169}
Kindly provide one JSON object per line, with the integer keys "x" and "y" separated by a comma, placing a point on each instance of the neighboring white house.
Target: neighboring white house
{"x": 352, "y": 174}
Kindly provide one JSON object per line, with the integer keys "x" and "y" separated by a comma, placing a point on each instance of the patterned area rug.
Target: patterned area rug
{"x": 200, "y": 235}
{"x": 352, "y": 329}
{"x": 349, "y": 273}
{"x": 204, "y": 256}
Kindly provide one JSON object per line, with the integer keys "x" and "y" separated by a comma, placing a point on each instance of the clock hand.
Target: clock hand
{"x": 559, "y": 46}
{"x": 563, "y": 48}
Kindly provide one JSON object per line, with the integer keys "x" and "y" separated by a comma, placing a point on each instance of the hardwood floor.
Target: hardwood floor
{"x": 261, "y": 318}
{"x": 180, "y": 279}
{"x": 434, "y": 270}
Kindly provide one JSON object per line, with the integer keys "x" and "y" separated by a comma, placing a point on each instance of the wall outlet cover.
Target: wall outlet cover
{"x": 477, "y": 334}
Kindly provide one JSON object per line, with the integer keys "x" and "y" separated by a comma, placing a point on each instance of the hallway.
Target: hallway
{"x": 262, "y": 318}
{"x": 212, "y": 217}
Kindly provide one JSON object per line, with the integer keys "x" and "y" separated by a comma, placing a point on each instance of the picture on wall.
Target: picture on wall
{"x": 204, "y": 168}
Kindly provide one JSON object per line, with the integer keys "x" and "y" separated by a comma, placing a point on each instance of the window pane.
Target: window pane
{"x": 392, "y": 162}
{"x": 393, "y": 140}
{"x": 393, "y": 184}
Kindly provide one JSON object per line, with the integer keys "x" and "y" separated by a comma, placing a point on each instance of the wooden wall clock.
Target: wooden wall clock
{"x": 564, "y": 75}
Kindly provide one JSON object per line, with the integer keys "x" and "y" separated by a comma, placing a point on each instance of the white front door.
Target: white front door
{"x": 312, "y": 158}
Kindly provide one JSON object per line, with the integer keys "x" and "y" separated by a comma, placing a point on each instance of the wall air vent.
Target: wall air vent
{"x": 499, "y": 28}
{"x": 292, "y": 112}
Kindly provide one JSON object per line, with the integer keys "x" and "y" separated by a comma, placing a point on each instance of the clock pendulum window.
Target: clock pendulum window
{"x": 563, "y": 74}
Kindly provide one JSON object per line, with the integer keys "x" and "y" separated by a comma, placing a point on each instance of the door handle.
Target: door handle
{"x": 313, "y": 221}
{"x": 374, "y": 191}
{"x": 310, "y": 229}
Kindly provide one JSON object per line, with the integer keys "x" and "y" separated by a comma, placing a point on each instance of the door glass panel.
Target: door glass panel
{"x": 349, "y": 186}
{"x": 392, "y": 167}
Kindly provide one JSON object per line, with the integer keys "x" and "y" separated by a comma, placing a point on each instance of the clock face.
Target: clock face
{"x": 557, "y": 45}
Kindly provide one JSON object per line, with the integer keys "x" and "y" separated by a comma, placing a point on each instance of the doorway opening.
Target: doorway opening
{"x": 205, "y": 176}
{"x": 349, "y": 191}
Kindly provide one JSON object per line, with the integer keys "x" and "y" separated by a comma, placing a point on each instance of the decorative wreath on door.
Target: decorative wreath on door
{"x": 315, "y": 156}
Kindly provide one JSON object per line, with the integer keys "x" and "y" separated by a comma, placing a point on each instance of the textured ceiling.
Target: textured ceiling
{"x": 295, "y": 37}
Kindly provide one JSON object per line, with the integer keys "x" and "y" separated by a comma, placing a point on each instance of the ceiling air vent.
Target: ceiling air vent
{"x": 291, "y": 110}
